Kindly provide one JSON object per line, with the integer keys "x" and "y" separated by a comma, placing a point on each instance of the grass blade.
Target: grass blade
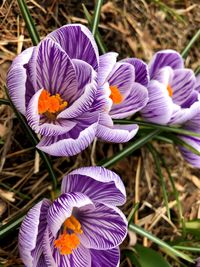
{"x": 163, "y": 128}
{"x": 34, "y": 140}
{"x": 138, "y": 230}
{"x": 97, "y": 12}
{"x": 159, "y": 171}
{"x": 190, "y": 44}
{"x": 98, "y": 38}
{"x": 12, "y": 224}
{"x": 129, "y": 149}
{"x": 4, "y": 101}
{"x": 29, "y": 22}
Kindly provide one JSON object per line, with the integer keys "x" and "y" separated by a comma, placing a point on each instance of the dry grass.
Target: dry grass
{"x": 132, "y": 28}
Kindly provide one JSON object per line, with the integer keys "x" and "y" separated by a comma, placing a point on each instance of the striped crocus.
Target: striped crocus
{"x": 54, "y": 85}
{"x": 172, "y": 95}
{"x": 194, "y": 141}
{"x": 83, "y": 227}
{"x": 125, "y": 83}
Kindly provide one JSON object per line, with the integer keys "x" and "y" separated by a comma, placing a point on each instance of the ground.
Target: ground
{"x": 133, "y": 29}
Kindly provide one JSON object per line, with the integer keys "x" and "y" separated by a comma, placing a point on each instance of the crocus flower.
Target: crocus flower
{"x": 192, "y": 125}
{"x": 54, "y": 85}
{"x": 172, "y": 95}
{"x": 81, "y": 228}
{"x": 125, "y": 83}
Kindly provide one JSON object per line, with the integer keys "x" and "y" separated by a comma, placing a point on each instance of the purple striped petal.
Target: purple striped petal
{"x": 105, "y": 258}
{"x": 31, "y": 233}
{"x": 71, "y": 143}
{"x": 197, "y": 84}
{"x": 135, "y": 101}
{"x": 116, "y": 133}
{"x": 78, "y": 42}
{"x": 165, "y": 58}
{"x": 182, "y": 115}
{"x": 122, "y": 76}
{"x": 16, "y": 79}
{"x": 160, "y": 106}
{"x": 104, "y": 226}
{"x": 62, "y": 208}
{"x": 141, "y": 70}
{"x": 106, "y": 64}
{"x": 46, "y": 128}
{"x": 51, "y": 68}
{"x": 182, "y": 85}
{"x": 80, "y": 257}
{"x": 99, "y": 184}
{"x": 82, "y": 104}
{"x": 190, "y": 157}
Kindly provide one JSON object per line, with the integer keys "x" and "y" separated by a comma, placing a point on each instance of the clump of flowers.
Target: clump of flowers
{"x": 82, "y": 227}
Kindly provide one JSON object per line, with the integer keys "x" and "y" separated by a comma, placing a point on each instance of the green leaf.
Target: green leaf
{"x": 34, "y": 140}
{"x": 138, "y": 230}
{"x": 29, "y": 22}
{"x": 131, "y": 254}
{"x": 190, "y": 44}
{"x": 129, "y": 149}
{"x": 98, "y": 38}
{"x": 97, "y": 12}
{"x": 148, "y": 257}
{"x": 163, "y": 128}
{"x": 4, "y": 101}
{"x": 162, "y": 181}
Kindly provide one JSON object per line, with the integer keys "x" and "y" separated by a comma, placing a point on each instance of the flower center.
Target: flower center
{"x": 50, "y": 104}
{"x": 69, "y": 240}
{"x": 115, "y": 95}
{"x": 170, "y": 91}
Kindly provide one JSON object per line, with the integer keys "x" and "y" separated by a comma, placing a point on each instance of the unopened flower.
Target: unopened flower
{"x": 125, "y": 84}
{"x": 172, "y": 95}
{"x": 54, "y": 85}
{"x": 81, "y": 228}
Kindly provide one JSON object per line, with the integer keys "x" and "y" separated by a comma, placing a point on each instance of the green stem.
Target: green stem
{"x": 97, "y": 12}
{"x": 29, "y": 22}
{"x": 190, "y": 44}
{"x": 129, "y": 149}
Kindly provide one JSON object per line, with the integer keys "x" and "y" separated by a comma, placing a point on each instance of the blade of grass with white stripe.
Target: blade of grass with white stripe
{"x": 140, "y": 231}
{"x": 97, "y": 12}
{"x": 190, "y": 44}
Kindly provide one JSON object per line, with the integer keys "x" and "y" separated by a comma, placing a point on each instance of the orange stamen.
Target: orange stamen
{"x": 66, "y": 242}
{"x": 115, "y": 95}
{"x": 170, "y": 91}
{"x": 50, "y": 104}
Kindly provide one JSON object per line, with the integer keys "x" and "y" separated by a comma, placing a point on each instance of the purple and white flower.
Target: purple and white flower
{"x": 83, "y": 227}
{"x": 172, "y": 95}
{"x": 54, "y": 85}
{"x": 125, "y": 83}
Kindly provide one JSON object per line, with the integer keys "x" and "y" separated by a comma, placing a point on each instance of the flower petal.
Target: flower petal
{"x": 105, "y": 258}
{"x": 78, "y": 42}
{"x": 104, "y": 226}
{"x": 190, "y": 157}
{"x": 106, "y": 64}
{"x": 197, "y": 84}
{"x": 165, "y": 58}
{"x": 52, "y": 69}
{"x": 16, "y": 79}
{"x": 160, "y": 106}
{"x": 80, "y": 257}
{"x": 182, "y": 115}
{"x": 135, "y": 101}
{"x": 122, "y": 76}
{"x": 31, "y": 233}
{"x": 117, "y": 133}
{"x": 82, "y": 104}
{"x": 98, "y": 183}
{"x": 62, "y": 208}
{"x": 141, "y": 70}
{"x": 182, "y": 85}
{"x": 68, "y": 144}
{"x": 46, "y": 128}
